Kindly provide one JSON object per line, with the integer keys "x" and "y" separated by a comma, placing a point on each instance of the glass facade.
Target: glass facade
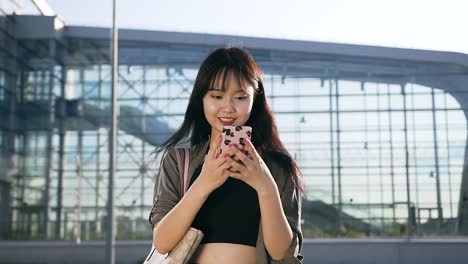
{"x": 379, "y": 159}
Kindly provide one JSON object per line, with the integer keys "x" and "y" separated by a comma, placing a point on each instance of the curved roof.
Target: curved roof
{"x": 289, "y": 58}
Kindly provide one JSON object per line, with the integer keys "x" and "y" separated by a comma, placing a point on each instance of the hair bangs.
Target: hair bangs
{"x": 218, "y": 81}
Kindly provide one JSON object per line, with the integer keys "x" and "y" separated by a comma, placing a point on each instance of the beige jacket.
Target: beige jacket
{"x": 167, "y": 195}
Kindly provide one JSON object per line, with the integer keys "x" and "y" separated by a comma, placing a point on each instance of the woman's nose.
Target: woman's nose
{"x": 229, "y": 106}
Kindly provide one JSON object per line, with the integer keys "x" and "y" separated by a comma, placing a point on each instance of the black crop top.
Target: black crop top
{"x": 231, "y": 214}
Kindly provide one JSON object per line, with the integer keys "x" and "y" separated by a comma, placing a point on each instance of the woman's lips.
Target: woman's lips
{"x": 226, "y": 121}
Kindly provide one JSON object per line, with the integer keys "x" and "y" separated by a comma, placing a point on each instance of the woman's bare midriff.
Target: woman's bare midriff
{"x": 225, "y": 253}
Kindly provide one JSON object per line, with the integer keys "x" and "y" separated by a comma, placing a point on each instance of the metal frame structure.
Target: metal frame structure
{"x": 377, "y": 131}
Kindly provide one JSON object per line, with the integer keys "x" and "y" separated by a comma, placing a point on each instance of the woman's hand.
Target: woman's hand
{"x": 249, "y": 168}
{"x": 214, "y": 171}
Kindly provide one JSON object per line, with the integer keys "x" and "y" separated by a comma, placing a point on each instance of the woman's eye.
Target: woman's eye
{"x": 217, "y": 97}
{"x": 241, "y": 98}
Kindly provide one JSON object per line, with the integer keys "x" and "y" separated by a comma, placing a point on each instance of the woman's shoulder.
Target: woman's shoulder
{"x": 168, "y": 160}
{"x": 172, "y": 152}
{"x": 168, "y": 153}
{"x": 274, "y": 158}
{"x": 178, "y": 154}
{"x": 277, "y": 163}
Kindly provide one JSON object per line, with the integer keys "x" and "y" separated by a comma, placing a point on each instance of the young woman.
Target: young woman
{"x": 247, "y": 206}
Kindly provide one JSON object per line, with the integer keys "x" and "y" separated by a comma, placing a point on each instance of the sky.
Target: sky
{"x": 420, "y": 24}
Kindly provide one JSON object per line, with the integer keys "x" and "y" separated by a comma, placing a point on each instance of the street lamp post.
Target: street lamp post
{"x": 110, "y": 236}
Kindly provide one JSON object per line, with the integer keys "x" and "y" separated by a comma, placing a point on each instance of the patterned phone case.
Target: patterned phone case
{"x": 235, "y": 135}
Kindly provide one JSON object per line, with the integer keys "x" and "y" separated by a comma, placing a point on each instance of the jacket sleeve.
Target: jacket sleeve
{"x": 291, "y": 201}
{"x": 166, "y": 190}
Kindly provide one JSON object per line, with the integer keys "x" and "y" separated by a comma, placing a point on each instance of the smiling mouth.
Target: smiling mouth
{"x": 226, "y": 120}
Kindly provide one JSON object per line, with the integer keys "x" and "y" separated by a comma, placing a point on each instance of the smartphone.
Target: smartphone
{"x": 235, "y": 135}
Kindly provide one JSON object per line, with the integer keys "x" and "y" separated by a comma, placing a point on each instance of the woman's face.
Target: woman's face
{"x": 229, "y": 107}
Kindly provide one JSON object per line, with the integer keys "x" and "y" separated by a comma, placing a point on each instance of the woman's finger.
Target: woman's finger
{"x": 241, "y": 156}
{"x": 220, "y": 162}
{"x": 235, "y": 165}
{"x": 251, "y": 150}
{"x": 226, "y": 165}
{"x": 236, "y": 175}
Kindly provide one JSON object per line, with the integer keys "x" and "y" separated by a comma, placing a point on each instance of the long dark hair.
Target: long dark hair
{"x": 265, "y": 136}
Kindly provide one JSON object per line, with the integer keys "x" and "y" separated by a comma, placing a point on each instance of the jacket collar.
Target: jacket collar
{"x": 197, "y": 156}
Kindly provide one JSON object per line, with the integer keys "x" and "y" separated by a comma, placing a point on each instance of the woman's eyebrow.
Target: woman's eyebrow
{"x": 217, "y": 89}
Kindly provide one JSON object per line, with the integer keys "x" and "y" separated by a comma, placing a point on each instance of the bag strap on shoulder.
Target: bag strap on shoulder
{"x": 183, "y": 171}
